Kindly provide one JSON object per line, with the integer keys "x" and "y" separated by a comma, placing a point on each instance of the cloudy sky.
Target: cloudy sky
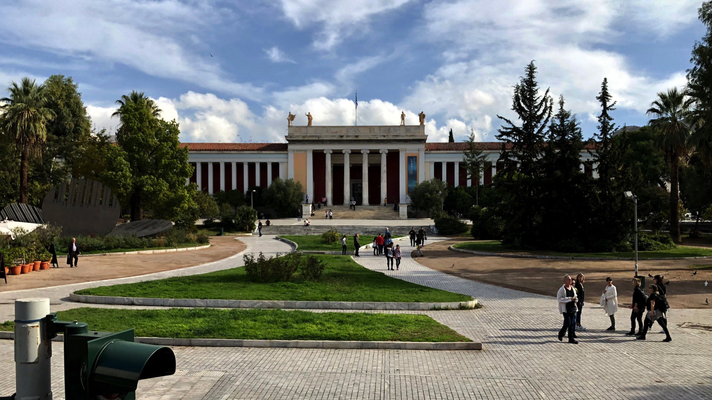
{"x": 230, "y": 71}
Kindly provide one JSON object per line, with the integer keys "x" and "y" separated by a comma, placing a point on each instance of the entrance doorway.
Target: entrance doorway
{"x": 357, "y": 191}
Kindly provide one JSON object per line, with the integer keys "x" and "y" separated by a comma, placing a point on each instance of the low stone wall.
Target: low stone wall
{"x": 348, "y": 230}
{"x": 280, "y": 304}
{"x": 543, "y": 257}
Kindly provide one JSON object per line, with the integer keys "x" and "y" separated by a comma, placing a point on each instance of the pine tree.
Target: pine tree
{"x": 451, "y": 138}
{"x": 474, "y": 162}
{"x": 700, "y": 88}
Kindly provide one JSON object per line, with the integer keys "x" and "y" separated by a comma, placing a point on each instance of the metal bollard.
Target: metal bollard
{"x": 33, "y": 350}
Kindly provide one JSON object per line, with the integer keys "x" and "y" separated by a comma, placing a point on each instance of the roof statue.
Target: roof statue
{"x": 290, "y": 118}
{"x": 422, "y": 118}
{"x": 309, "y": 119}
{"x": 402, "y": 118}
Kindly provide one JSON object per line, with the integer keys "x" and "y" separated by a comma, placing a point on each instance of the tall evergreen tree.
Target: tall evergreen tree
{"x": 700, "y": 88}
{"x": 474, "y": 163}
{"x": 451, "y": 138}
{"x": 521, "y": 154}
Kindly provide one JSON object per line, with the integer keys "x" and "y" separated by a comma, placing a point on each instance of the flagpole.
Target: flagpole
{"x": 356, "y": 114}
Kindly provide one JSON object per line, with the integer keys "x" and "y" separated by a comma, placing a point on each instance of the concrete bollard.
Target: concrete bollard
{"x": 32, "y": 351}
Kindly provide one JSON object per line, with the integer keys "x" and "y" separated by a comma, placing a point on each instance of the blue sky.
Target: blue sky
{"x": 230, "y": 71}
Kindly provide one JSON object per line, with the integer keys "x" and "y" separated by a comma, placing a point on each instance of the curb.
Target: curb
{"x": 142, "y": 251}
{"x": 512, "y": 255}
{"x": 298, "y": 344}
{"x": 293, "y": 245}
{"x": 270, "y": 304}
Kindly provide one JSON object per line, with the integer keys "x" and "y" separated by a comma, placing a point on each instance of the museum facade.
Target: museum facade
{"x": 368, "y": 163}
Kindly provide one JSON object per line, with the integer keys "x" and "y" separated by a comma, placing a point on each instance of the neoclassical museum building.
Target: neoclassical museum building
{"x": 368, "y": 163}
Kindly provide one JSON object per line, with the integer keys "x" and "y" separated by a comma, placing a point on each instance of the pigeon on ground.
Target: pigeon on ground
{"x": 453, "y": 265}
{"x": 694, "y": 273}
{"x": 650, "y": 276}
{"x": 707, "y": 302}
{"x": 706, "y": 283}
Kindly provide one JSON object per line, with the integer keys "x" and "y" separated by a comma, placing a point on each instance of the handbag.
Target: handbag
{"x": 603, "y": 300}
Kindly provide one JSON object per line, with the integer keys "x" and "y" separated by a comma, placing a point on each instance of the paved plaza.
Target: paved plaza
{"x": 522, "y": 359}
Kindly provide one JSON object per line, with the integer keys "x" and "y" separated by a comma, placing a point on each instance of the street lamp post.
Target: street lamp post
{"x": 630, "y": 196}
{"x": 252, "y": 199}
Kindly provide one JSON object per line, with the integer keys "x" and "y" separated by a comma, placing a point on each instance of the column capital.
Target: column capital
{"x": 365, "y": 151}
{"x": 383, "y": 151}
{"x": 328, "y": 151}
{"x": 346, "y": 151}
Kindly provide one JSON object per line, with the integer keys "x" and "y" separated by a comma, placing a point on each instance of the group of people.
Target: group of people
{"x": 383, "y": 246}
{"x": 418, "y": 239}
{"x": 571, "y": 300}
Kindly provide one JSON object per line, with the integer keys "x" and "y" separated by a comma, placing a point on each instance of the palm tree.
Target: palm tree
{"x": 672, "y": 111}
{"x": 134, "y": 98}
{"x": 25, "y": 117}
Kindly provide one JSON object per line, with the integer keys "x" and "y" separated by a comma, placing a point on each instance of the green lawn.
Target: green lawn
{"x": 180, "y": 246}
{"x": 680, "y": 251}
{"x": 342, "y": 280}
{"x": 708, "y": 266}
{"x": 314, "y": 242}
{"x": 263, "y": 324}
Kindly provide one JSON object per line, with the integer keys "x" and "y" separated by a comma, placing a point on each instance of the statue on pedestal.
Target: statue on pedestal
{"x": 290, "y": 119}
{"x": 309, "y": 119}
{"x": 402, "y": 118}
{"x": 422, "y": 118}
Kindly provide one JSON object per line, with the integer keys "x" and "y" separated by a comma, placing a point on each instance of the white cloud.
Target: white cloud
{"x": 147, "y": 36}
{"x": 101, "y": 119}
{"x": 277, "y": 56}
{"x": 338, "y": 18}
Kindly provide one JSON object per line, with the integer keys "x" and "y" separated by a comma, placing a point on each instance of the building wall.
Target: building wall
{"x": 300, "y": 169}
{"x": 393, "y": 168}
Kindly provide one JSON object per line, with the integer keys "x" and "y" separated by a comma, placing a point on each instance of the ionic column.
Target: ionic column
{"x": 444, "y": 163}
{"x": 245, "y": 177}
{"x": 494, "y": 168}
{"x": 364, "y": 177}
{"x": 347, "y": 177}
{"x": 583, "y": 167}
{"x": 594, "y": 168}
{"x": 222, "y": 176}
{"x": 457, "y": 173}
{"x": 210, "y": 177}
{"x": 310, "y": 174}
{"x": 329, "y": 189}
{"x": 384, "y": 171}
{"x": 432, "y": 170}
{"x": 234, "y": 175}
{"x": 199, "y": 175}
{"x": 269, "y": 173}
{"x": 283, "y": 171}
{"x": 403, "y": 175}
{"x": 421, "y": 165}
{"x": 257, "y": 174}
{"x": 290, "y": 164}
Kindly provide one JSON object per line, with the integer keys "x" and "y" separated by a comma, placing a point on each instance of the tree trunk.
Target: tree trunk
{"x": 23, "y": 175}
{"x": 675, "y": 200}
{"x": 136, "y": 209}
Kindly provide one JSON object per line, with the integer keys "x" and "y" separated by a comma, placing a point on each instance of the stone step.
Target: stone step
{"x": 348, "y": 230}
{"x": 362, "y": 212}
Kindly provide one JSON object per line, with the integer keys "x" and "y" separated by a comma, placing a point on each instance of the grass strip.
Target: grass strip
{"x": 342, "y": 280}
{"x": 180, "y": 246}
{"x": 314, "y": 242}
{"x": 702, "y": 267}
{"x": 497, "y": 247}
{"x": 263, "y": 324}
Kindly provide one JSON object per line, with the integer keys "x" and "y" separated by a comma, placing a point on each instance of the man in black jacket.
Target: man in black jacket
{"x": 638, "y": 307}
{"x": 73, "y": 253}
{"x": 357, "y": 244}
{"x": 411, "y": 234}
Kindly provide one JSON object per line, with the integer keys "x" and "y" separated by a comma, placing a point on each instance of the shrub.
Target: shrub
{"x": 330, "y": 236}
{"x": 282, "y": 269}
{"x": 207, "y": 206}
{"x": 429, "y": 195}
{"x": 485, "y": 224}
{"x": 312, "y": 268}
{"x": 284, "y": 196}
{"x": 449, "y": 226}
{"x": 245, "y": 218}
{"x": 202, "y": 238}
{"x": 655, "y": 242}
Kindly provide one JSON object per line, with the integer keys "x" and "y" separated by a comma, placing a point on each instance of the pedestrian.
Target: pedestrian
{"x": 411, "y": 234}
{"x": 375, "y": 245}
{"x": 389, "y": 257}
{"x": 566, "y": 297}
{"x": 387, "y": 235}
{"x": 323, "y": 201}
{"x": 343, "y": 245}
{"x": 299, "y": 214}
{"x": 385, "y": 202}
{"x": 609, "y": 302}
{"x": 357, "y": 244}
{"x": 259, "y": 227}
{"x": 73, "y": 253}
{"x": 53, "y": 251}
{"x": 637, "y": 308}
{"x": 326, "y": 214}
{"x": 658, "y": 281}
{"x": 422, "y": 235}
{"x": 379, "y": 242}
{"x": 656, "y": 306}
{"x": 268, "y": 223}
{"x": 418, "y": 246}
{"x": 580, "y": 279}
{"x": 306, "y": 200}
{"x": 397, "y": 255}
{"x": 331, "y": 214}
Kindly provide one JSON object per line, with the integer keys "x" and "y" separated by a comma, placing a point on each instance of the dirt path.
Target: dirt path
{"x": 118, "y": 266}
{"x": 546, "y": 276}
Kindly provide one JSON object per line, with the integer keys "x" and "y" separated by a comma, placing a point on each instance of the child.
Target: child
{"x": 397, "y": 254}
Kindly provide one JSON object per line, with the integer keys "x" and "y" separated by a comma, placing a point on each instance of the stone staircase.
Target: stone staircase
{"x": 362, "y": 212}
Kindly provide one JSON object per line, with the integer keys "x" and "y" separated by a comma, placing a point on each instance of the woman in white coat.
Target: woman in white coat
{"x": 609, "y": 302}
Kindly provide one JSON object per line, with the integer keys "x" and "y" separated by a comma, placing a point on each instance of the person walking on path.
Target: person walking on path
{"x": 331, "y": 214}
{"x": 379, "y": 242}
{"x": 637, "y": 308}
{"x": 422, "y": 236}
{"x": 343, "y": 245}
{"x": 375, "y": 245}
{"x": 387, "y": 235}
{"x": 259, "y": 227}
{"x": 418, "y": 246}
{"x": 609, "y": 302}
{"x": 411, "y": 234}
{"x": 53, "y": 251}
{"x": 658, "y": 281}
{"x": 397, "y": 256}
{"x": 566, "y": 296}
{"x": 580, "y": 279}
{"x": 357, "y": 244}
{"x": 656, "y": 306}
{"x": 73, "y": 253}
{"x": 389, "y": 257}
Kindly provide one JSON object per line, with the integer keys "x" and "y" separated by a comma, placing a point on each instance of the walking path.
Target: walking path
{"x": 521, "y": 358}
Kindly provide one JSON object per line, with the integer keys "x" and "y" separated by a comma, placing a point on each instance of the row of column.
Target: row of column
{"x": 211, "y": 189}
{"x": 457, "y": 173}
